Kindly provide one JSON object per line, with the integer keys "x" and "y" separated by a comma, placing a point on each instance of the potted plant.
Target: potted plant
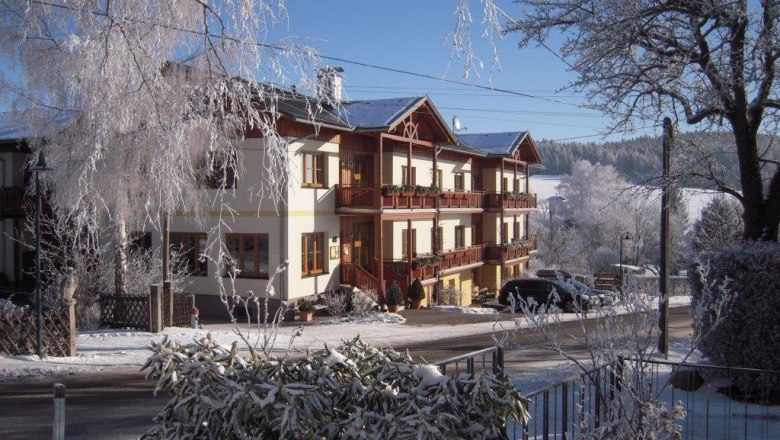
{"x": 420, "y": 190}
{"x": 393, "y": 298}
{"x": 408, "y": 190}
{"x": 449, "y": 194}
{"x": 391, "y": 190}
{"x": 416, "y": 293}
{"x": 306, "y": 309}
{"x": 433, "y": 189}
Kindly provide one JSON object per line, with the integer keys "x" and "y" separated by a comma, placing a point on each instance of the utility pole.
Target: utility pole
{"x": 663, "y": 284}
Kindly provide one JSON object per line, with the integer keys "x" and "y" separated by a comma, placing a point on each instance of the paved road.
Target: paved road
{"x": 120, "y": 404}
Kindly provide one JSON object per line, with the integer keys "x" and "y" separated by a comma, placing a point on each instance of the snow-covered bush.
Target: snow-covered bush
{"x": 602, "y": 260}
{"x": 448, "y": 296}
{"x": 741, "y": 282}
{"x": 356, "y": 391}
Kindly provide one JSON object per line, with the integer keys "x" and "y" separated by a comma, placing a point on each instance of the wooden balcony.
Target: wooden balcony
{"x": 512, "y": 251}
{"x": 510, "y": 201}
{"x": 12, "y": 201}
{"x": 462, "y": 199}
{"x": 367, "y": 197}
{"x": 462, "y": 257}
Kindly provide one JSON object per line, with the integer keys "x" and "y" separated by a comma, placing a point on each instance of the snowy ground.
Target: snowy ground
{"x": 545, "y": 186}
{"x": 104, "y": 350}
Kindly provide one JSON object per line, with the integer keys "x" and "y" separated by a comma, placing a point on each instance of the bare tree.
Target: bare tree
{"x": 708, "y": 63}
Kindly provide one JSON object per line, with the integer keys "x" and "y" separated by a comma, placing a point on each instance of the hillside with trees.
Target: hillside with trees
{"x": 639, "y": 159}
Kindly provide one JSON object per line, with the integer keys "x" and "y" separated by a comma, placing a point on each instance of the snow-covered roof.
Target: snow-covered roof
{"x": 375, "y": 113}
{"x": 494, "y": 144}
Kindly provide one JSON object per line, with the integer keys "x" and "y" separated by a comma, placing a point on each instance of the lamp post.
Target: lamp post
{"x": 40, "y": 169}
{"x": 553, "y": 201}
{"x": 623, "y": 237}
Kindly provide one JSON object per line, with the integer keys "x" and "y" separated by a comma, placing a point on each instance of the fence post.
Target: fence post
{"x": 58, "y": 427}
{"x": 156, "y": 309}
{"x": 168, "y": 292}
{"x": 498, "y": 360}
{"x": 71, "y": 328}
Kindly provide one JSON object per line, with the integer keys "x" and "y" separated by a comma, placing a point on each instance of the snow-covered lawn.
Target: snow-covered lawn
{"x": 545, "y": 186}
{"x": 104, "y": 350}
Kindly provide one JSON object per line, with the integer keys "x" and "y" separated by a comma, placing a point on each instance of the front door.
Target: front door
{"x": 363, "y": 170}
{"x": 364, "y": 245}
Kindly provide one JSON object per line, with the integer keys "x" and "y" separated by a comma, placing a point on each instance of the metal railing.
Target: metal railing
{"x": 579, "y": 406}
{"x": 489, "y": 359}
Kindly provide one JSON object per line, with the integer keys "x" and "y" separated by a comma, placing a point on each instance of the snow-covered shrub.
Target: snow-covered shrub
{"x": 735, "y": 300}
{"x": 602, "y": 260}
{"x": 448, "y": 296}
{"x": 337, "y": 301}
{"x": 356, "y": 391}
{"x": 364, "y": 302}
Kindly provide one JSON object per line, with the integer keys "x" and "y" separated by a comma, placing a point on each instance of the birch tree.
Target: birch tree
{"x": 153, "y": 94}
{"x": 709, "y": 63}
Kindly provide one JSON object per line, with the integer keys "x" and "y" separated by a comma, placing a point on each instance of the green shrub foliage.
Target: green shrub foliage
{"x": 735, "y": 292}
{"x": 416, "y": 290}
{"x": 356, "y": 391}
{"x": 394, "y": 296}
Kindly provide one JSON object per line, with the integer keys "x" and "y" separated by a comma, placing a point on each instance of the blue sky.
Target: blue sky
{"x": 408, "y": 35}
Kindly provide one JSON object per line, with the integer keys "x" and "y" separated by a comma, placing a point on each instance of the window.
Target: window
{"x": 405, "y": 244}
{"x": 516, "y": 232}
{"x": 221, "y": 170}
{"x": 460, "y": 236}
{"x": 505, "y": 233}
{"x": 313, "y": 170}
{"x": 506, "y": 184}
{"x": 517, "y": 185}
{"x": 437, "y": 236}
{"x": 405, "y": 175}
{"x": 313, "y": 253}
{"x": 439, "y": 178}
{"x": 459, "y": 185}
{"x": 249, "y": 254}
{"x": 187, "y": 247}
{"x": 139, "y": 241}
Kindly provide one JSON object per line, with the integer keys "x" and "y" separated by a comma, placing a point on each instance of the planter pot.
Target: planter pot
{"x": 407, "y": 194}
{"x": 392, "y": 308}
{"x": 305, "y": 315}
{"x": 415, "y": 304}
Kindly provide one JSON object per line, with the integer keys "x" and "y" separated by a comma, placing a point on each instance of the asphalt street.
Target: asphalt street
{"x": 121, "y": 405}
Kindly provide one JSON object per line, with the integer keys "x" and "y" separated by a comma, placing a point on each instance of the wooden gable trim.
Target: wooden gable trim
{"x": 425, "y": 107}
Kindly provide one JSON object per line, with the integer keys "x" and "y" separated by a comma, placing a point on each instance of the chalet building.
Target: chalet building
{"x": 382, "y": 191}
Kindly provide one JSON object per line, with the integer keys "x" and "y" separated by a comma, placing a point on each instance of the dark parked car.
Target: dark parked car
{"x": 605, "y": 297}
{"x": 543, "y": 292}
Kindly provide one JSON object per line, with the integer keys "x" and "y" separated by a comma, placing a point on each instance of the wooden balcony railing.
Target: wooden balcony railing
{"x": 462, "y": 199}
{"x": 11, "y": 201}
{"x": 357, "y": 276}
{"x": 356, "y": 196}
{"x": 510, "y": 201}
{"x": 511, "y": 251}
{"x": 462, "y": 257}
{"x": 409, "y": 201}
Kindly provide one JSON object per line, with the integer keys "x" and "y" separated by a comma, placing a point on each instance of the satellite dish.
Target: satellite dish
{"x": 456, "y": 123}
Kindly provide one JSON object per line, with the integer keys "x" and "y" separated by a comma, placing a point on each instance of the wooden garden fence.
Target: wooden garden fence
{"x": 18, "y": 333}
{"x": 151, "y": 312}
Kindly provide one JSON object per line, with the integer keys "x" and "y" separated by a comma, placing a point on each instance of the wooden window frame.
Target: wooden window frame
{"x": 221, "y": 175}
{"x": 404, "y": 174}
{"x": 439, "y": 178}
{"x": 459, "y": 183}
{"x": 240, "y": 259}
{"x": 192, "y": 255}
{"x": 505, "y": 234}
{"x": 316, "y": 243}
{"x": 316, "y": 162}
{"x": 404, "y": 255}
{"x": 516, "y": 230}
{"x": 460, "y": 236}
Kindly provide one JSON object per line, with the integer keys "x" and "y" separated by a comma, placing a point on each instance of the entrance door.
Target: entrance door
{"x": 364, "y": 245}
{"x": 363, "y": 173}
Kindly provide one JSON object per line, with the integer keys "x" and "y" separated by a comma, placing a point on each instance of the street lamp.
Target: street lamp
{"x": 40, "y": 169}
{"x": 623, "y": 237}
{"x": 553, "y": 201}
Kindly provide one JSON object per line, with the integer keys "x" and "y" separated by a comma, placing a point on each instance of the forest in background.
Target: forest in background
{"x": 639, "y": 159}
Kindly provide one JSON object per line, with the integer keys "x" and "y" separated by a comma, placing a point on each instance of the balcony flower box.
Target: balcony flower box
{"x": 460, "y": 195}
{"x": 408, "y": 190}
{"x": 391, "y": 190}
{"x": 449, "y": 195}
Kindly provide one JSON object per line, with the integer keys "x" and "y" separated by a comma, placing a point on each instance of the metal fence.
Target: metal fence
{"x": 580, "y": 406}
{"x": 477, "y": 362}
